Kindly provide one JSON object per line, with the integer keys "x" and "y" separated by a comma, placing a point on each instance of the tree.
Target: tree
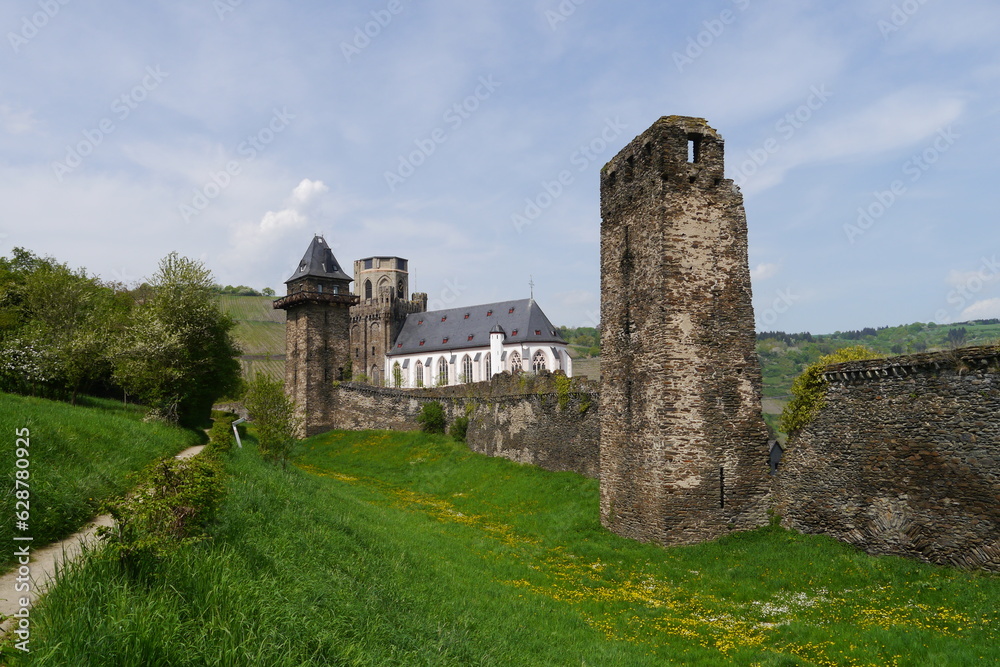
{"x": 178, "y": 354}
{"x": 273, "y": 413}
{"x": 809, "y": 388}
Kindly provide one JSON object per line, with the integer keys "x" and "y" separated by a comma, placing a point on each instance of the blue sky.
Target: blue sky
{"x": 865, "y": 137}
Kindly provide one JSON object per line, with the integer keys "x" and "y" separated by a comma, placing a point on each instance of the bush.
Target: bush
{"x": 459, "y": 428}
{"x": 173, "y": 504}
{"x": 273, "y": 413}
{"x": 808, "y": 389}
{"x": 220, "y": 436}
{"x": 431, "y": 418}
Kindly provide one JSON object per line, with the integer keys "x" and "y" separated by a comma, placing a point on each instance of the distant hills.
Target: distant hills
{"x": 261, "y": 332}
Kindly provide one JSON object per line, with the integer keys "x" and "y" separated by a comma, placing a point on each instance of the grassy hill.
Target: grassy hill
{"x": 382, "y": 548}
{"x": 79, "y": 457}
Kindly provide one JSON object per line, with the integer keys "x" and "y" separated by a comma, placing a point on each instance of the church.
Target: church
{"x": 378, "y": 334}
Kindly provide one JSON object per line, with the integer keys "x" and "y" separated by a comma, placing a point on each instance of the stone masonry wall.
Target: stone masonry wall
{"x": 683, "y": 443}
{"x": 547, "y": 420}
{"x": 904, "y": 459}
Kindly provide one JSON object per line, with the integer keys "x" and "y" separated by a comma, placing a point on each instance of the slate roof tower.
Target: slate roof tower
{"x": 684, "y": 453}
{"x": 317, "y": 333}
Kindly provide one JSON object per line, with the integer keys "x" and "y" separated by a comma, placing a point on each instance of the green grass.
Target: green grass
{"x": 260, "y": 337}
{"x": 406, "y": 549}
{"x": 79, "y": 457}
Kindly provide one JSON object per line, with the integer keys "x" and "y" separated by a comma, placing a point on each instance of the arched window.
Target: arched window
{"x": 374, "y": 376}
{"x": 515, "y": 362}
{"x": 538, "y": 361}
{"x": 384, "y": 283}
{"x": 418, "y": 374}
{"x": 368, "y": 289}
{"x": 397, "y": 376}
{"x": 487, "y": 370}
{"x": 442, "y": 372}
{"x": 467, "y": 369}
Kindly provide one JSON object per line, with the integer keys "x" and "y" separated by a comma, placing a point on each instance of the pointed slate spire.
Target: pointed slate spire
{"x": 319, "y": 262}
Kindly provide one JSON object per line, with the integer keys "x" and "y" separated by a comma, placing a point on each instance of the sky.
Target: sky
{"x": 864, "y": 135}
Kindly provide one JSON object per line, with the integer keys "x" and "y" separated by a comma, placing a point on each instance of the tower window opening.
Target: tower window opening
{"x": 694, "y": 149}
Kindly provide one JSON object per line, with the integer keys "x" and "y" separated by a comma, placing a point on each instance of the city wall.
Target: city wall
{"x": 903, "y": 459}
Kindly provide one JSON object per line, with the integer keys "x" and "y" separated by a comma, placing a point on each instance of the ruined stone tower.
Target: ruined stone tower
{"x": 317, "y": 334}
{"x": 683, "y": 443}
{"x": 381, "y": 284}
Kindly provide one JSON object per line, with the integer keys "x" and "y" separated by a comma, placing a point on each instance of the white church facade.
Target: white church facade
{"x": 474, "y": 343}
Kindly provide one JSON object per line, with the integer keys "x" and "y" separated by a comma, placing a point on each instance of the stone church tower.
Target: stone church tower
{"x": 317, "y": 333}
{"x": 381, "y": 284}
{"x": 683, "y": 443}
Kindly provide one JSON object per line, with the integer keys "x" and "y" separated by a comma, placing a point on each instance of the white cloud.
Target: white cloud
{"x": 764, "y": 271}
{"x": 16, "y": 122}
{"x": 294, "y": 216}
{"x": 982, "y": 310}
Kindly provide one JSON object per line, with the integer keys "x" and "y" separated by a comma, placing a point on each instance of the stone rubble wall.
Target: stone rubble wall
{"x": 903, "y": 459}
{"x": 547, "y": 420}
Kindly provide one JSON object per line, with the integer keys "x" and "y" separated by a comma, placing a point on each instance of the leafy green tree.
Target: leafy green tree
{"x": 809, "y": 388}
{"x": 179, "y": 355}
{"x": 273, "y": 413}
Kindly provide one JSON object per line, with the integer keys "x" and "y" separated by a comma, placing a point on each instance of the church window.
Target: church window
{"x": 538, "y": 361}
{"x": 368, "y": 289}
{"x": 418, "y": 374}
{"x": 397, "y": 376}
{"x": 374, "y": 376}
{"x": 442, "y": 372}
{"x": 488, "y": 366}
{"x": 515, "y": 362}
{"x": 373, "y": 350}
{"x": 400, "y": 264}
{"x": 368, "y": 263}
{"x": 467, "y": 369}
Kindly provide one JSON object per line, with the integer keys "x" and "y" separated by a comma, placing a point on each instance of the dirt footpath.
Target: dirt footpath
{"x": 46, "y": 560}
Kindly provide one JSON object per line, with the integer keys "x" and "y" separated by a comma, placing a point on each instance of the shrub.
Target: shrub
{"x": 459, "y": 428}
{"x": 431, "y": 418}
{"x": 220, "y": 436}
{"x": 808, "y": 389}
{"x": 173, "y": 503}
{"x": 273, "y": 413}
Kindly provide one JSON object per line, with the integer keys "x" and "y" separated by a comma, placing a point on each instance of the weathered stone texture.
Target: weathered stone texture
{"x": 904, "y": 459}
{"x": 683, "y": 444}
{"x": 546, "y": 420}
